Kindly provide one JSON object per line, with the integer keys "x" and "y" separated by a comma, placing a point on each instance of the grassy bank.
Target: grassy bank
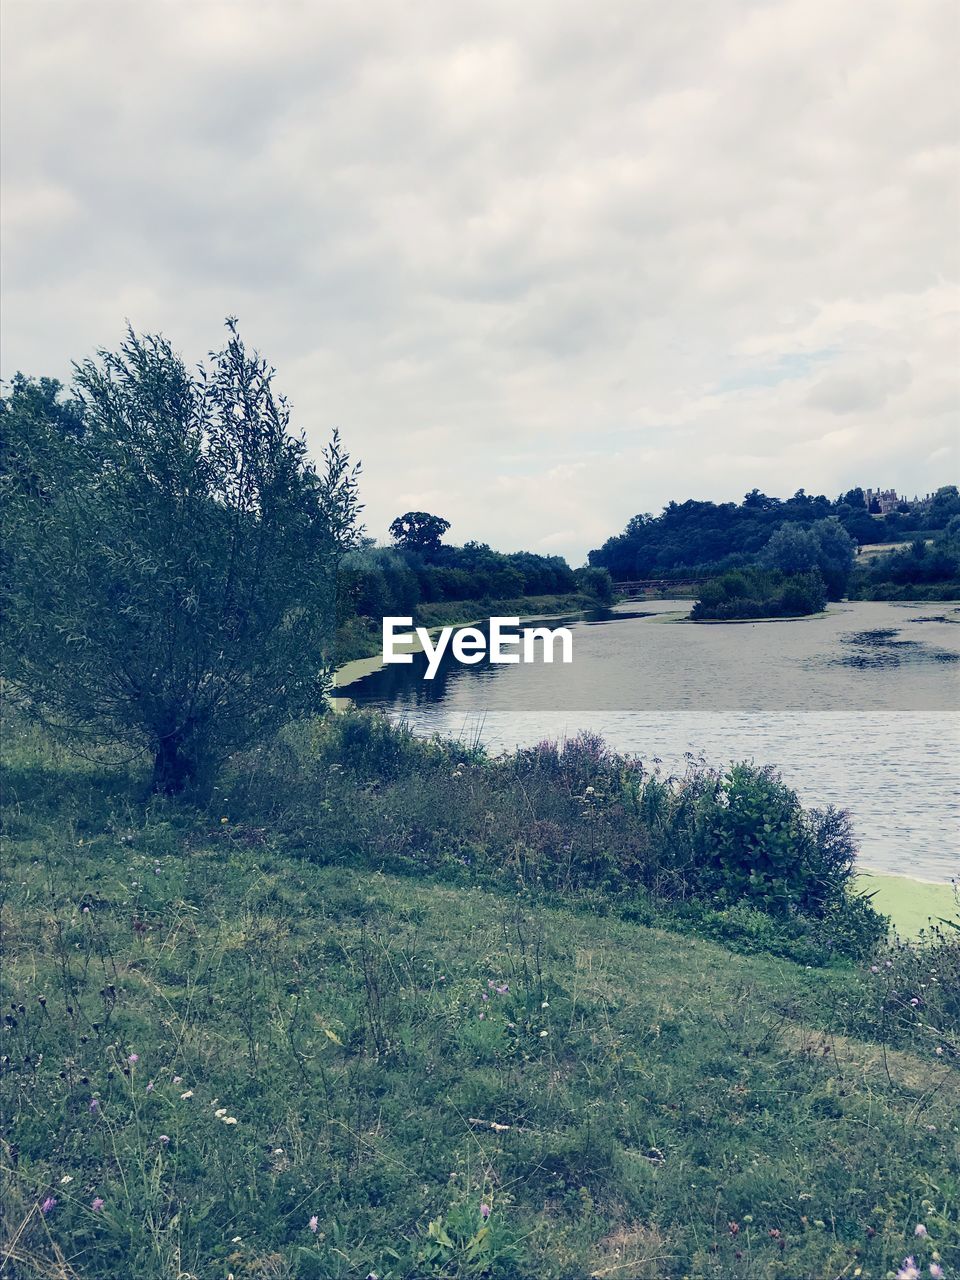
{"x": 236, "y": 1043}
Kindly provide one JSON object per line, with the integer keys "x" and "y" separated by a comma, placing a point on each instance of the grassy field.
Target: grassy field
{"x": 224, "y": 1055}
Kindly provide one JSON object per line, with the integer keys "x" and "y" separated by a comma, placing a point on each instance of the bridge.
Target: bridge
{"x": 648, "y": 586}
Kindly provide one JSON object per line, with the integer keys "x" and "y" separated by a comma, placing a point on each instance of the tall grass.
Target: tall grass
{"x": 235, "y": 1043}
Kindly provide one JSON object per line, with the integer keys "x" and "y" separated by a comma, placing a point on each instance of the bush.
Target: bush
{"x": 757, "y": 593}
{"x": 595, "y": 582}
{"x": 572, "y": 819}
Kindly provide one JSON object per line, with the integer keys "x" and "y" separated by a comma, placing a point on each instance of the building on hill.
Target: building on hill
{"x": 881, "y": 501}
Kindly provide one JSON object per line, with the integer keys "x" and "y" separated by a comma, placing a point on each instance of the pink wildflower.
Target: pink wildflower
{"x": 48, "y": 1205}
{"x": 314, "y": 1223}
{"x": 97, "y": 1203}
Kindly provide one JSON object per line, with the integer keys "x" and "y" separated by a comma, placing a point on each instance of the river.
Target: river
{"x": 857, "y": 708}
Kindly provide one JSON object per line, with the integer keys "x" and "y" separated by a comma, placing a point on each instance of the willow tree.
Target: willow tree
{"x": 170, "y": 562}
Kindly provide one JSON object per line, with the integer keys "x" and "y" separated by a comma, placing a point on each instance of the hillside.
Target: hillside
{"x": 225, "y": 1056}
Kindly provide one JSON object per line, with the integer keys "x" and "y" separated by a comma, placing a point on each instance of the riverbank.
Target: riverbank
{"x": 237, "y": 1042}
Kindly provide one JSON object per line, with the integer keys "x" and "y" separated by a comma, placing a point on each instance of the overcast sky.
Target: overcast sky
{"x": 546, "y": 265}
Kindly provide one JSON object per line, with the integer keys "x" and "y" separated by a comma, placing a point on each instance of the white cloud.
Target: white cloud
{"x": 545, "y": 266}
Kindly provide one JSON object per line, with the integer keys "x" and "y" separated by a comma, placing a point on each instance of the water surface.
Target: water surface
{"x": 857, "y": 708}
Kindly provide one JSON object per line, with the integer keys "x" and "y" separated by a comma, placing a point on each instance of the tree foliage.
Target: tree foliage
{"x": 418, "y": 531}
{"x": 171, "y": 558}
{"x": 706, "y": 538}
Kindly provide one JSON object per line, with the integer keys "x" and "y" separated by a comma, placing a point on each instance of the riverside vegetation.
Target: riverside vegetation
{"x": 288, "y": 993}
{"x": 388, "y": 1007}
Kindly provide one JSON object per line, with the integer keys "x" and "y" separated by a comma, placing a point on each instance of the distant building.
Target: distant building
{"x": 881, "y": 500}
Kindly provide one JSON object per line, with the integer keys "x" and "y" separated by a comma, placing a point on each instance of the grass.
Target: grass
{"x": 400, "y": 1054}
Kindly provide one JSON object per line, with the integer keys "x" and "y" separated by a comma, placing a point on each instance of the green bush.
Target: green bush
{"x": 573, "y": 818}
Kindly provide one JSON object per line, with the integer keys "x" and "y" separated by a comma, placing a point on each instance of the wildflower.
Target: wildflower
{"x": 484, "y": 1211}
{"x": 484, "y": 996}
{"x": 589, "y": 791}
{"x": 936, "y": 1271}
{"x": 133, "y": 1059}
{"x": 149, "y": 1088}
{"x": 48, "y": 1205}
{"x": 544, "y": 1033}
{"x": 86, "y": 911}
{"x": 482, "y": 1016}
{"x": 97, "y": 1203}
{"x": 178, "y": 1079}
{"x": 909, "y": 1270}
{"x": 187, "y": 1094}
{"x": 164, "y": 1140}
{"x": 920, "y": 1230}
{"x": 230, "y": 1120}
{"x": 914, "y": 1001}
{"x": 220, "y": 1112}
{"x": 94, "y": 1104}
{"x": 236, "y": 1239}
{"x": 66, "y": 1180}
{"x": 314, "y": 1223}
{"x": 502, "y": 991}
{"x": 874, "y": 968}
{"x": 545, "y": 1004}
{"x": 224, "y": 819}
{"x": 939, "y": 1051}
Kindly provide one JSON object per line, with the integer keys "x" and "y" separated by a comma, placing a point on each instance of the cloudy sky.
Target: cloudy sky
{"x": 546, "y": 265}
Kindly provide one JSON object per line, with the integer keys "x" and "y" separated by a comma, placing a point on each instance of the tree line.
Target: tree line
{"x": 696, "y": 538}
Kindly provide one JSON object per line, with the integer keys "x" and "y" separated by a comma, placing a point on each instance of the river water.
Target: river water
{"x": 858, "y": 708}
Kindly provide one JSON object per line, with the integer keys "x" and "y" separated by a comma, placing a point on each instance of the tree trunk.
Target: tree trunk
{"x": 173, "y": 771}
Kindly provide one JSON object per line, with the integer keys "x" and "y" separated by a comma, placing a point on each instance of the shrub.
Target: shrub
{"x": 573, "y": 818}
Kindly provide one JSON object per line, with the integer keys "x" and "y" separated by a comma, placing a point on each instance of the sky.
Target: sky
{"x": 544, "y": 265}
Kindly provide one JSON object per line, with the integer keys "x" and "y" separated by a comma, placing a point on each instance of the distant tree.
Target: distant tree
{"x": 173, "y": 571}
{"x": 419, "y": 531}
{"x": 854, "y": 498}
{"x": 945, "y": 503}
{"x": 836, "y": 552}
{"x": 791, "y": 549}
{"x": 595, "y": 582}
{"x": 759, "y": 501}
